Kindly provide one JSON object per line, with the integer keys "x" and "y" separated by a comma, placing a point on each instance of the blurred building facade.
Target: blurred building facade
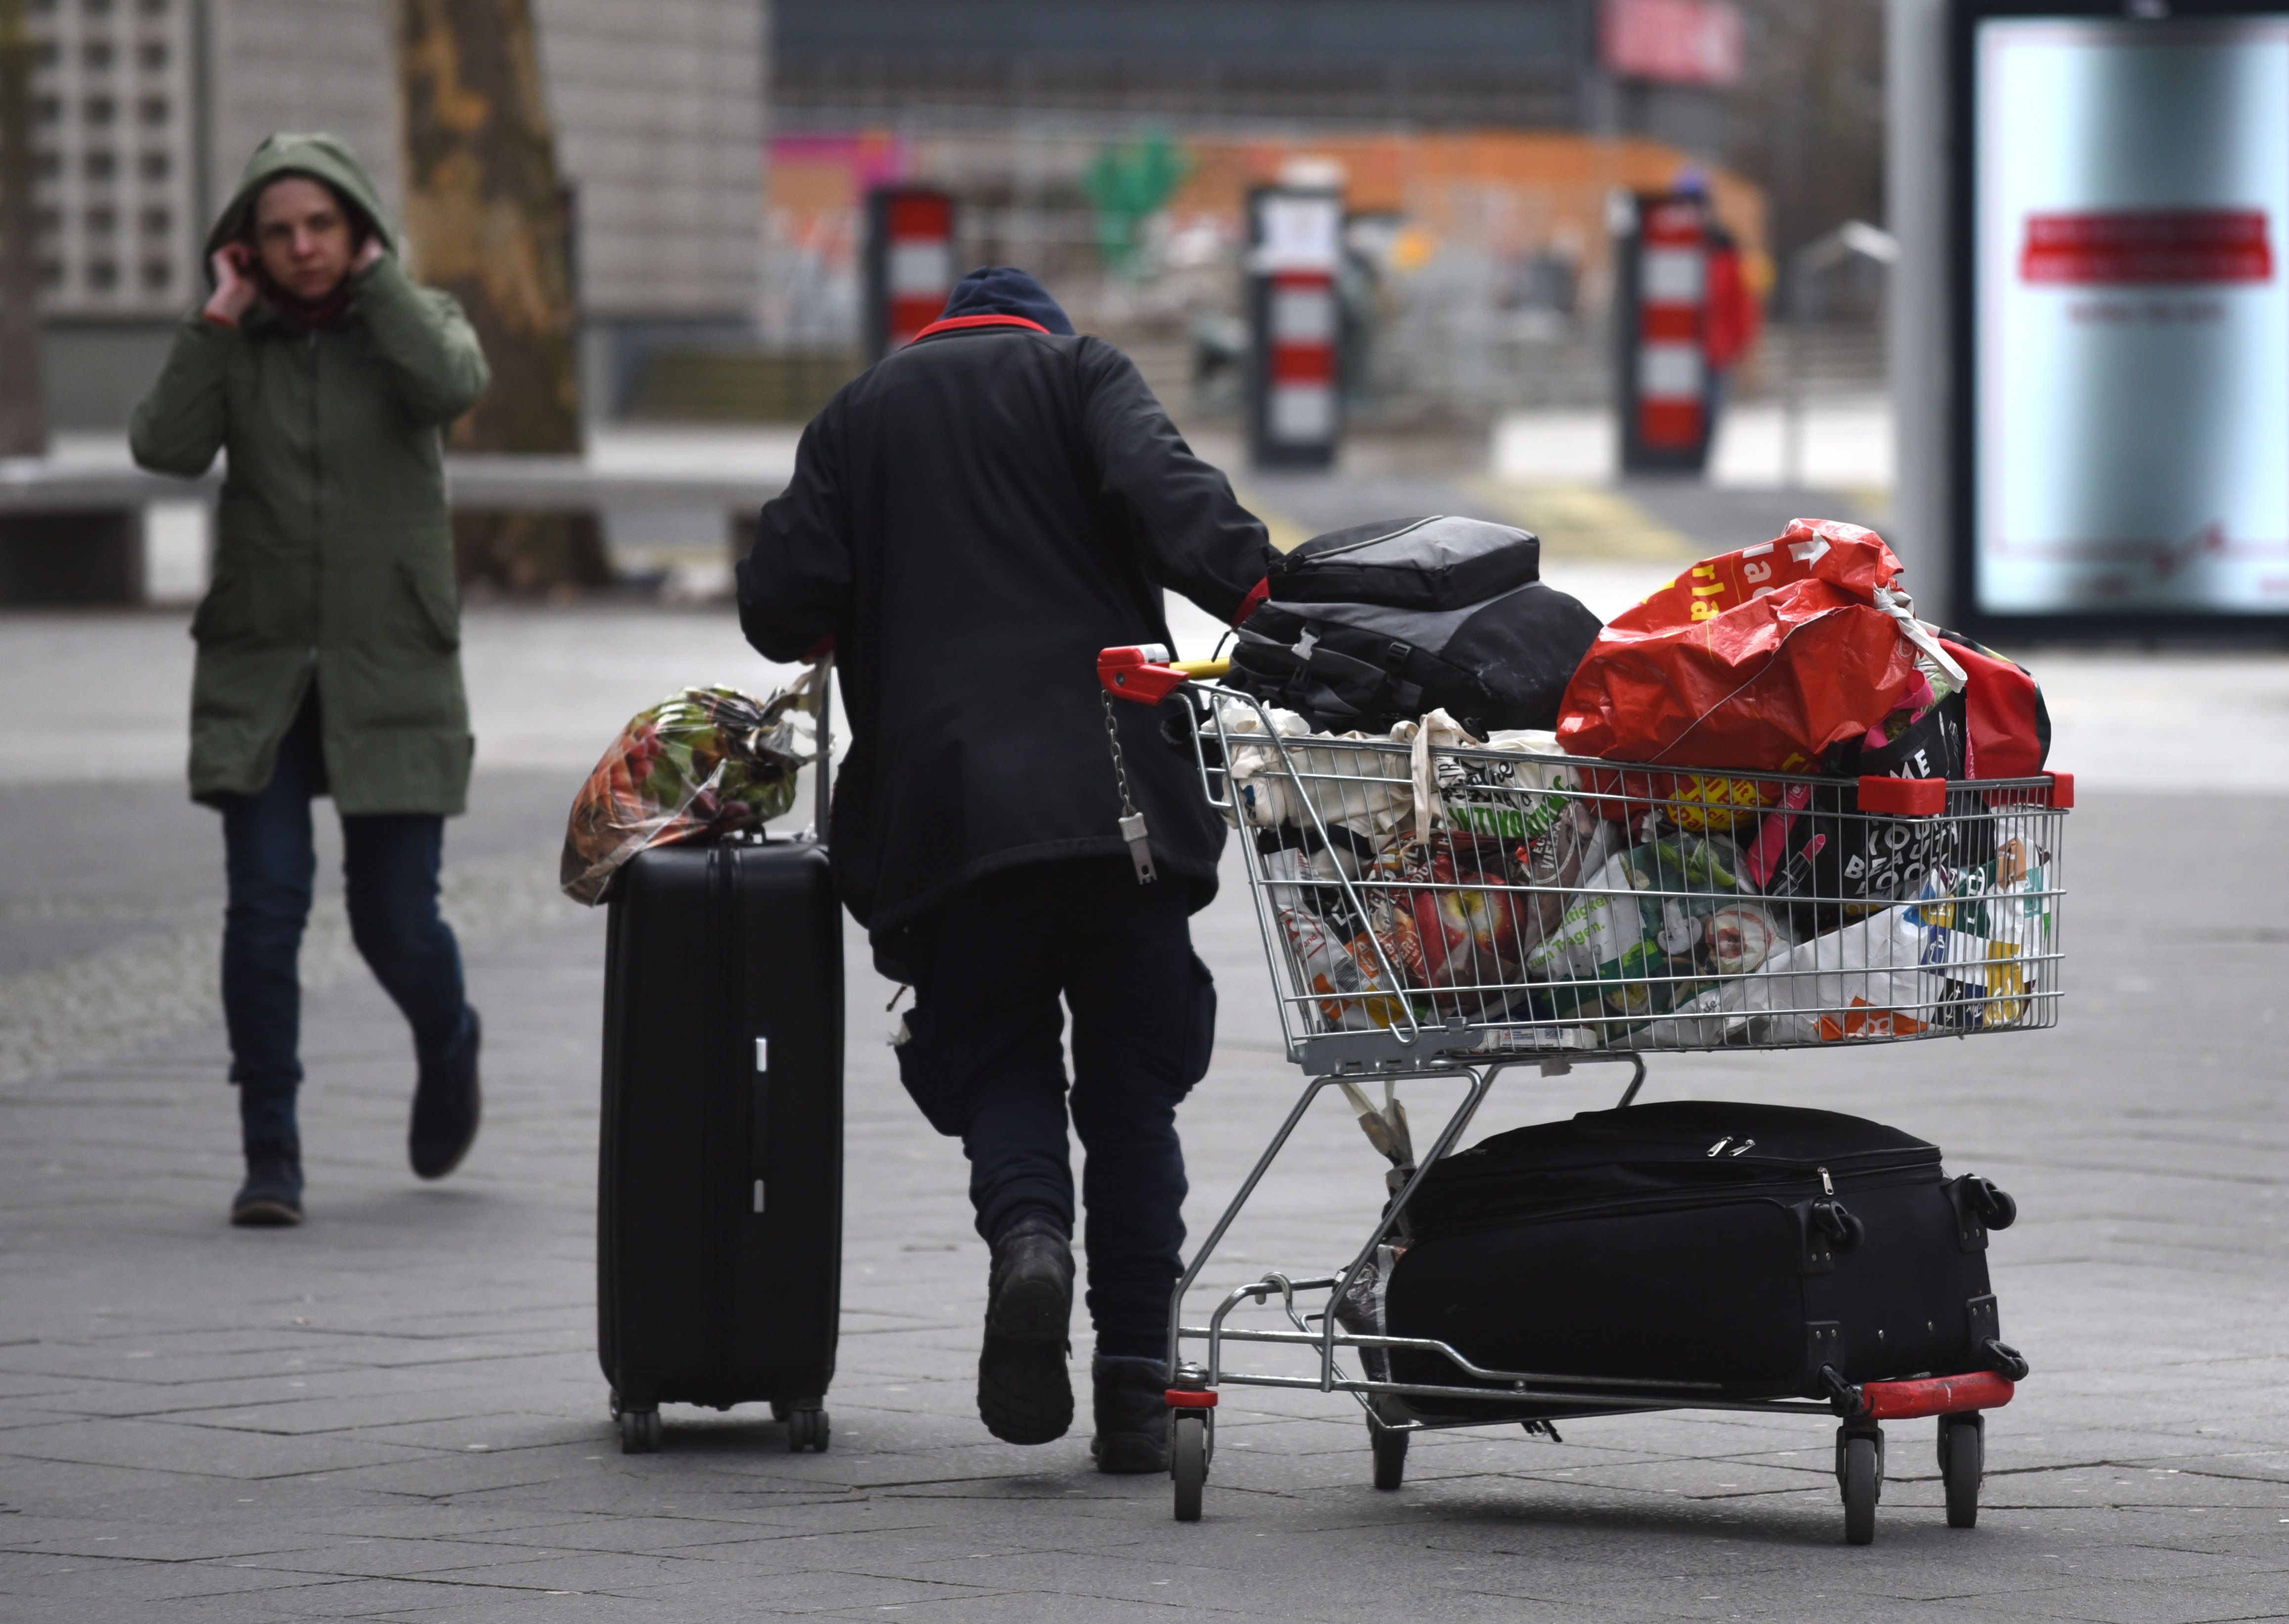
{"x": 1539, "y": 64}
{"x": 717, "y": 154}
{"x": 146, "y": 110}
{"x": 1110, "y": 146}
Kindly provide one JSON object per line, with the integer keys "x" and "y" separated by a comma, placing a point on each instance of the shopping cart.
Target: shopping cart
{"x": 1436, "y": 907}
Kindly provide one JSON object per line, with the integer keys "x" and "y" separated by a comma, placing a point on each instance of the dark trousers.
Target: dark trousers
{"x": 985, "y": 1061}
{"x": 389, "y": 883}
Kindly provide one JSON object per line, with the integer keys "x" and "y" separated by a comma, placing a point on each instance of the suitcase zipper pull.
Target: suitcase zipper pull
{"x": 1827, "y": 1184}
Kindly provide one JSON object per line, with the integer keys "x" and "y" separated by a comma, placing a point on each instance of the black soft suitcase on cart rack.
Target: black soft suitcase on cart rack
{"x": 1706, "y": 1253}
{"x": 1762, "y": 1250}
{"x": 719, "y": 1210}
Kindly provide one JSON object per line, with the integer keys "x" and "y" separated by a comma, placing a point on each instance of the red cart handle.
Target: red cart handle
{"x": 1904, "y": 797}
{"x": 1144, "y": 672}
{"x": 1928, "y": 796}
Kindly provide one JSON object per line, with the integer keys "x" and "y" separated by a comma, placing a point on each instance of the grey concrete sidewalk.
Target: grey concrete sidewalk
{"x": 99, "y": 698}
{"x": 395, "y": 1412}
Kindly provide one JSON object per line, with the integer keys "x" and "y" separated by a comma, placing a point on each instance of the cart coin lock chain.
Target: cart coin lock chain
{"x": 1132, "y": 821}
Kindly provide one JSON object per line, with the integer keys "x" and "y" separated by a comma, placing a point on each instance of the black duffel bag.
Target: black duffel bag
{"x": 1751, "y": 1246}
{"x": 1381, "y": 623}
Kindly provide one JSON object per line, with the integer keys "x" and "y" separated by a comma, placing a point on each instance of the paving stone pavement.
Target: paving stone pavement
{"x": 395, "y": 1411}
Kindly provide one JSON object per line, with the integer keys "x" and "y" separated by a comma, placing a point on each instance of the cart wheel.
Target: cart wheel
{"x": 612, "y": 1404}
{"x": 1863, "y": 1482}
{"x": 807, "y": 1430}
{"x": 1962, "y": 1461}
{"x": 781, "y": 1409}
{"x": 1389, "y": 1456}
{"x": 638, "y": 1432}
{"x": 1188, "y": 1463}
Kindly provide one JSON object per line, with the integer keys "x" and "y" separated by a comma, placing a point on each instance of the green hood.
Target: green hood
{"x": 324, "y": 157}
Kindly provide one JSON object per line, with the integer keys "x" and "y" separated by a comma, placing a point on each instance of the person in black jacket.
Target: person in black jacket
{"x": 970, "y": 520}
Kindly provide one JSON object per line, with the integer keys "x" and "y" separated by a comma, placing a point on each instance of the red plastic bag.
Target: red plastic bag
{"x": 2007, "y": 725}
{"x": 1759, "y": 659}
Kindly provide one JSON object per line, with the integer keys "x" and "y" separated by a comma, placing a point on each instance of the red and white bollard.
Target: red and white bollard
{"x": 909, "y": 264}
{"x": 1295, "y": 408}
{"x": 1300, "y": 373}
{"x": 1664, "y": 363}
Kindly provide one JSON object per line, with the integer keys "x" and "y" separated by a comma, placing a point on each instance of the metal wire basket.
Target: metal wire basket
{"x": 1427, "y": 896}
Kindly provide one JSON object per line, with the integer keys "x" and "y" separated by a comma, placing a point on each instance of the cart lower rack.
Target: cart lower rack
{"x": 1437, "y": 907}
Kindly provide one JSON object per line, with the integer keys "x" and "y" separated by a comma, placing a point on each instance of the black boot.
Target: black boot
{"x": 1024, "y": 1395}
{"x": 1132, "y": 1414}
{"x": 272, "y": 1196}
{"x": 446, "y": 1105}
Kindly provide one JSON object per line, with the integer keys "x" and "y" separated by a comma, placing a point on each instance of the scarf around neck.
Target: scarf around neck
{"x": 308, "y": 313}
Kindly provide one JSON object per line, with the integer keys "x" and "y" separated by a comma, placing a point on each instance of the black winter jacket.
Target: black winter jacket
{"x": 971, "y": 520}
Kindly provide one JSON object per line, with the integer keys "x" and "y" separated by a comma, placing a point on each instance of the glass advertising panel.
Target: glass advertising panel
{"x": 2129, "y": 452}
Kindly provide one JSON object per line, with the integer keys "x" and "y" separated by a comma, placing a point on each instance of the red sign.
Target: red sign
{"x": 2148, "y": 245}
{"x": 1678, "y": 42}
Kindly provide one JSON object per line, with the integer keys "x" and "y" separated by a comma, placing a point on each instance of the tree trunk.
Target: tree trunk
{"x": 23, "y": 391}
{"x": 486, "y": 221}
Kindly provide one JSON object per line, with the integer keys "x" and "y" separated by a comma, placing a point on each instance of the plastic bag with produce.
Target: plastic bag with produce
{"x": 1453, "y": 892}
{"x": 1354, "y": 991}
{"x": 1555, "y": 864}
{"x": 1551, "y": 839}
{"x": 704, "y": 764}
{"x": 1865, "y": 981}
{"x": 1970, "y": 953}
{"x": 1651, "y": 929}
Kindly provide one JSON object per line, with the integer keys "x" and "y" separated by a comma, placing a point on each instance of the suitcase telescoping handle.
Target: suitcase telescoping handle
{"x": 1144, "y": 672}
{"x": 822, "y": 770}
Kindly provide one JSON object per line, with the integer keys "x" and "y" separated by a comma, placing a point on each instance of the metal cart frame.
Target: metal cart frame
{"x": 1422, "y": 1036}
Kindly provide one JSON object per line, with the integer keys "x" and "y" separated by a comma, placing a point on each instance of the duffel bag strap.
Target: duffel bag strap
{"x": 1406, "y": 697}
{"x": 1365, "y": 689}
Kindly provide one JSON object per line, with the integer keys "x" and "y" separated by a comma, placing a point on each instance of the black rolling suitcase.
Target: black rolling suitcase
{"x": 1762, "y": 1250}
{"x": 720, "y": 1191}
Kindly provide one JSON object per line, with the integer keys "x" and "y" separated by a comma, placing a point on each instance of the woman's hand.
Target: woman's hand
{"x": 234, "y": 289}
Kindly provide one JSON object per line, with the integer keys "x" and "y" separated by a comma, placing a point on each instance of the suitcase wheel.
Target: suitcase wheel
{"x": 638, "y": 1432}
{"x": 1188, "y": 1461}
{"x": 807, "y": 1430}
{"x": 1860, "y": 1473}
{"x": 1390, "y": 1448}
{"x": 1962, "y": 1461}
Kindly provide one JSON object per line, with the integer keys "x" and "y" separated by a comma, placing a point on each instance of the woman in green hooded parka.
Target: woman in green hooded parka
{"x": 328, "y": 644}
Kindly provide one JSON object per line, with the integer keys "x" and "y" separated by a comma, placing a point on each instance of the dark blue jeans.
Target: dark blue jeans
{"x": 985, "y": 1062}
{"x": 389, "y": 882}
